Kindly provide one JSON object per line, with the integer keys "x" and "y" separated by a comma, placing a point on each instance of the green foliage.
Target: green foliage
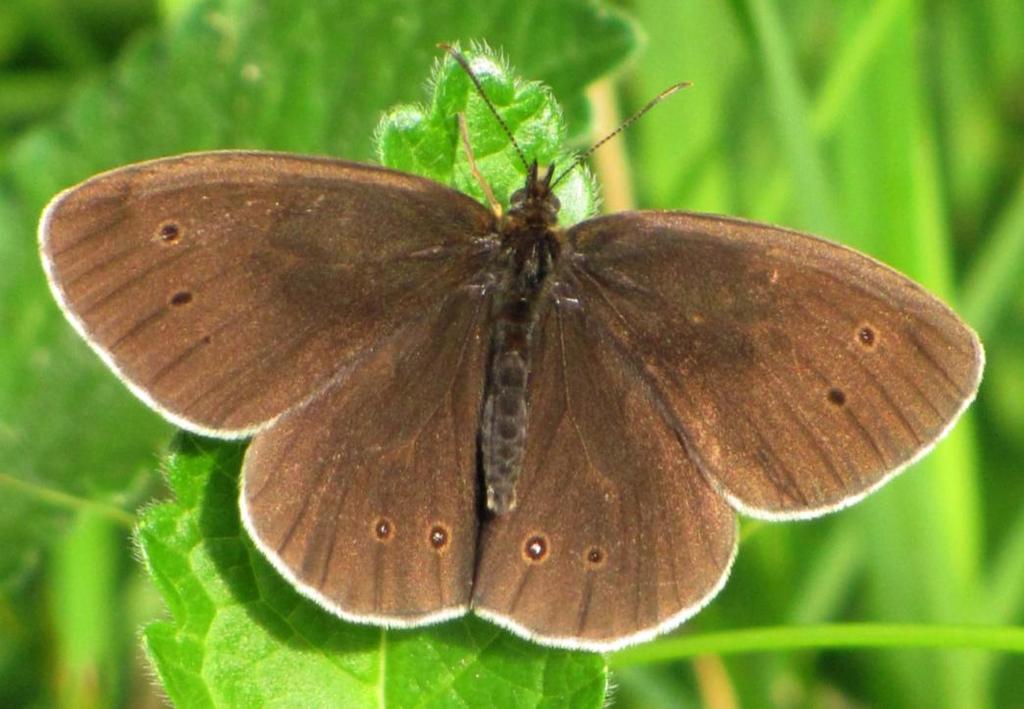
{"x": 893, "y": 126}
{"x": 275, "y": 75}
{"x": 224, "y": 75}
{"x": 241, "y": 636}
{"x": 425, "y": 139}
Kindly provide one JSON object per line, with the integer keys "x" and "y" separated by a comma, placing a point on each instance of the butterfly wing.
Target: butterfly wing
{"x": 365, "y": 498}
{"x": 228, "y": 287}
{"x": 802, "y": 374}
{"x": 616, "y": 536}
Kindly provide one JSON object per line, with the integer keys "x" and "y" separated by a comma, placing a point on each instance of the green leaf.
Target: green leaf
{"x": 425, "y": 139}
{"x": 239, "y": 635}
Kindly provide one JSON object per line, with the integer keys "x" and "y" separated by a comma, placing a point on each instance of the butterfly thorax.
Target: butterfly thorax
{"x": 531, "y": 246}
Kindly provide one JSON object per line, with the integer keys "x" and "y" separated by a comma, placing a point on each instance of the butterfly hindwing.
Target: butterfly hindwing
{"x": 616, "y": 536}
{"x": 366, "y": 496}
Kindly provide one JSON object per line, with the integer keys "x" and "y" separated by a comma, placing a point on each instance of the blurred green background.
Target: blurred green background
{"x": 894, "y": 126}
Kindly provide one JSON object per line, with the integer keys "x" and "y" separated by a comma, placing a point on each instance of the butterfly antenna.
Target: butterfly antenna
{"x": 582, "y": 157}
{"x": 464, "y": 63}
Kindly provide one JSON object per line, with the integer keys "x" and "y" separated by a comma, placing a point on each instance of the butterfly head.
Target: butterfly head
{"x": 535, "y": 205}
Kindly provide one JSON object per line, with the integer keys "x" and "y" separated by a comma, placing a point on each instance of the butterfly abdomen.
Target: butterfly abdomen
{"x": 504, "y": 427}
{"x": 516, "y": 310}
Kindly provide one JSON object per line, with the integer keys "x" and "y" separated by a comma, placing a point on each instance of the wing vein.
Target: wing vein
{"x": 120, "y": 287}
{"x": 91, "y": 234}
{"x": 871, "y": 376}
{"x": 870, "y": 295}
{"x": 907, "y": 379}
{"x": 797, "y": 415}
{"x": 683, "y": 435}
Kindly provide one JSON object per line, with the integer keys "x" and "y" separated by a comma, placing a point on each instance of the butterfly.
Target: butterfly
{"x": 457, "y": 409}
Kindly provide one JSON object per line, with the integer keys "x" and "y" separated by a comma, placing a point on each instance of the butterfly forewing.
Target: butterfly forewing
{"x": 366, "y": 496}
{"x": 616, "y": 536}
{"x": 226, "y": 288}
{"x": 801, "y": 374}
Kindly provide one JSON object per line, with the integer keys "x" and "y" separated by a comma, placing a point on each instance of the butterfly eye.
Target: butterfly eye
{"x": 518, "y": 197}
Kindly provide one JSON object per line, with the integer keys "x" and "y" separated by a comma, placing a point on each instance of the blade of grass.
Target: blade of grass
{"x": 993, "y": 281}
{"x": 1004, "y": 596}
{"x": 838, "y": 636}
{"x": 58, "y": 498}
{"x": 691, "y": 122}
{"x": 793, "y": 117}
{"x": 837, "y": 91}
{"x": 852, "y": 63}
{"x": 1005, "y": 601}
{"x": 84, "y": 586}
{"x": 833, "y": 570}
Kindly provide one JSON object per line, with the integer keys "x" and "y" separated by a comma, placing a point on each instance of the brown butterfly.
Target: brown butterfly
{"x": 454, "y": 410}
